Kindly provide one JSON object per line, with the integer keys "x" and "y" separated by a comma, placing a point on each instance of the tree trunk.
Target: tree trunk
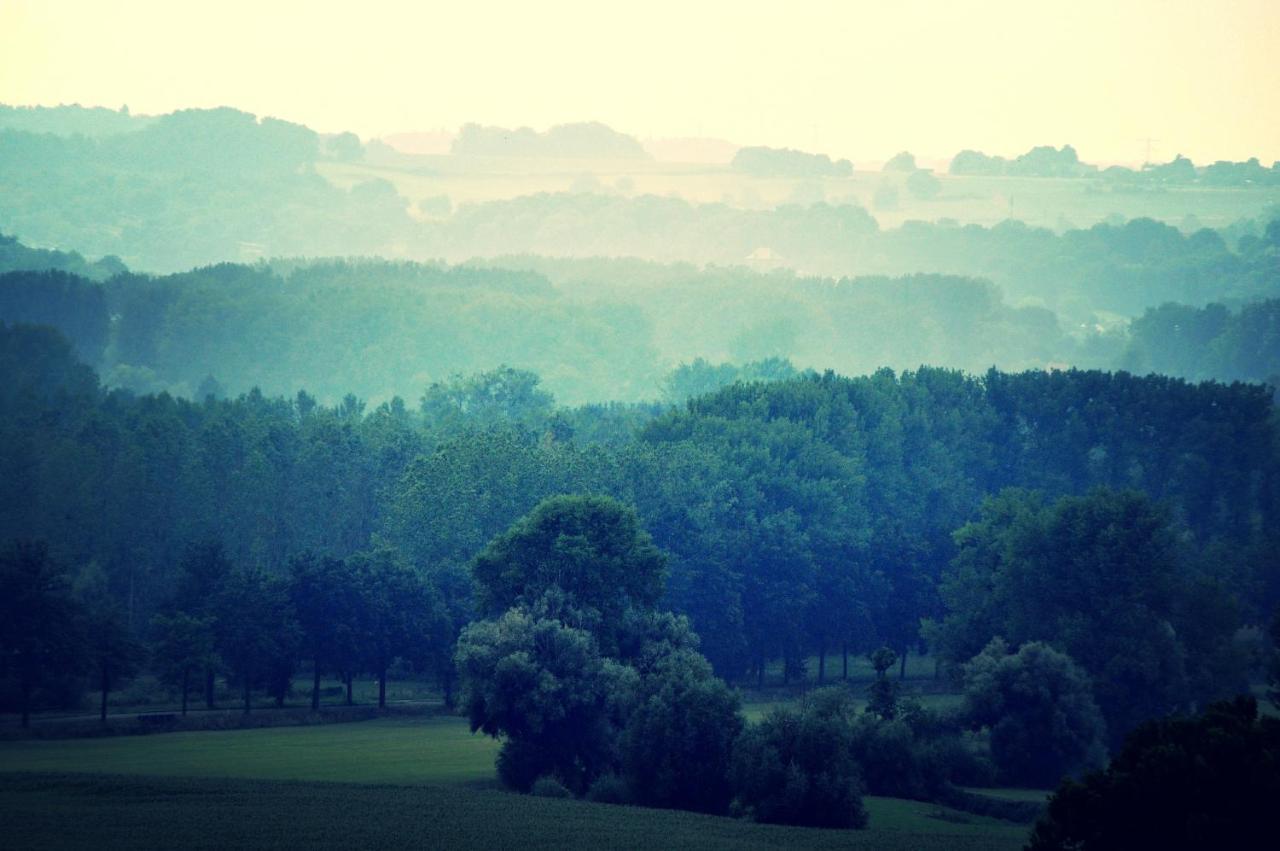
{"x": 186, "y": 679}
{"x": 382, "y": 688}
{"x": 760, "y": 673}
{"x": 246, "y": 695}
{"x": 844, "y": 652}
{"x": 208, "y": 688}
{"x": 822, "y": 662}
{"x": 106, "y": 684}
{"x": 902, "y": 666}
{"x": 448, "y": 690}
{"x": 347, "y": 679}
{"x": 315, "y": 689}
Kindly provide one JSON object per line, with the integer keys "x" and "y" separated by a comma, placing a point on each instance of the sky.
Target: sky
{"x": 854, "y": 79}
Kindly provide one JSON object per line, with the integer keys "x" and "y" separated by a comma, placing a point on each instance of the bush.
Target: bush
{"x": 520, "y": 763}
{"x": 678, "y": 742}
{"x": 1040, "y": 709}
{"x": 1206, "y": 782}
{"x": 918, "y": 754}
{"x": 795, "y": 766}
{"x": 609, "y": 789}
{"x": 549, "y": 787}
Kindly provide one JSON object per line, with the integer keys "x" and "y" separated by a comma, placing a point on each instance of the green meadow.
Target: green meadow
{"x": 422, "y": 782}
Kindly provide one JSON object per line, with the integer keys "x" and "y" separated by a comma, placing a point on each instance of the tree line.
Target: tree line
{"x": 805, "y": 519}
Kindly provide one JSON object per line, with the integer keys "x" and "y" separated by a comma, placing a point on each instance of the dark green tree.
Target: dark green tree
{"x": 182, "y": 645}
{"x": 795, "y": 766}
{"x": 325, "y": 596}
{"x": 1039, "y": 707}
{"x": 882, "y": 694}
{"x": 41, "y": 624}
{"x": 398, "y": 613}
{"x": 1208, "y": 781}
{"x": 590, "y": 548}
{"x": 546, "y": 690}
{"x": 677, "y": 745}
{"x": 255, "y": 630}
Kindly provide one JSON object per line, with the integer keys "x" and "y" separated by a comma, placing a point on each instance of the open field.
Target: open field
{"x": 437, "y": 749}
{"x": 423, "y": 782}
{"x": 94, "y": 811}
{"x": 1049, "y": 202}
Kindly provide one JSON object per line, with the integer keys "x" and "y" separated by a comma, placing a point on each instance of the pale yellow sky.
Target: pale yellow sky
{"x": 855, "y": 79}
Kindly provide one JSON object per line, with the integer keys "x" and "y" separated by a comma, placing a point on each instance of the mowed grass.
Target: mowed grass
{"x": 421, "y": 782}
{"x": 102, "y": 811}
{"x": 437, "y": 749}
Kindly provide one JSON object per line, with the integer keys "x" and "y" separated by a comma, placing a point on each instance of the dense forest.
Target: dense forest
{"x": 805, "y": 515}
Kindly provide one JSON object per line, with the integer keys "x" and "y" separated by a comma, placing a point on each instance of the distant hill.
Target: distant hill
{"x": 760, "y": 161}
{"x": 14, "y": 256}
{"x": 95, "y": 122}
{"x": 586, "y": 140}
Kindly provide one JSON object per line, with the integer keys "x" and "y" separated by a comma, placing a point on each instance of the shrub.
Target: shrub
{"x": 1039, "y": 707}
{"x": 609, "y": 789}
{"x": 549, "y": 787}
{"x": 1206, "y": 782}
{"x": 520, "y": 763}
{"x": 678, "y": 743}
{"x": 795, "y": 766}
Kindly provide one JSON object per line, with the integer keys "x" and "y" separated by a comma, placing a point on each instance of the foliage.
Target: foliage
{"x": 677, "y": 744}
{"x": 1100, "y": 577}
{"x": 609, "y": 789}
{"x": 882, "y": 694}
{"x": 181, "y": 646}
{"x": 1208, "y": 342}
{"x": 1040, "y": 710}
{"x": 1208, "y": 780}
{"x": 592, "y": 549}
{"x": 785, "y": 162}
{"x": 545, "y": 688}
{"x": 796, "y": 766}
{"x": 549, "y": 787}
{"x": 41, "y": 633}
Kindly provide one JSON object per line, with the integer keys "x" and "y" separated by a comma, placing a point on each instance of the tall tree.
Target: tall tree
{"x": 326, "y": 601}
{"x": 183, "y": 645}
{"x": 41, "y": 624}
{"x": 590, "y": 548}
{"x": 399, "y": 613}
{"x": 255, "y": 628}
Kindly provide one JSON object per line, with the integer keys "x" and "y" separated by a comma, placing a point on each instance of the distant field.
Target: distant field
{"x": 412, "y": 782}
{"x": 1049, "y": 202}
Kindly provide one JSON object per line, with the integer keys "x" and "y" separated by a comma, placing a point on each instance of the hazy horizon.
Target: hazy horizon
{"x": 852, "y": 80}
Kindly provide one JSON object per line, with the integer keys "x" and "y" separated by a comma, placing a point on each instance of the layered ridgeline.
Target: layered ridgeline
{"x": 813, "y": 515}
{"x": 594, "y": 330}
{"x": 207, "y": 186}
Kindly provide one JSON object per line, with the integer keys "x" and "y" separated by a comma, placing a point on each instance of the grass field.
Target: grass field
{"x": 423, "y": 782}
